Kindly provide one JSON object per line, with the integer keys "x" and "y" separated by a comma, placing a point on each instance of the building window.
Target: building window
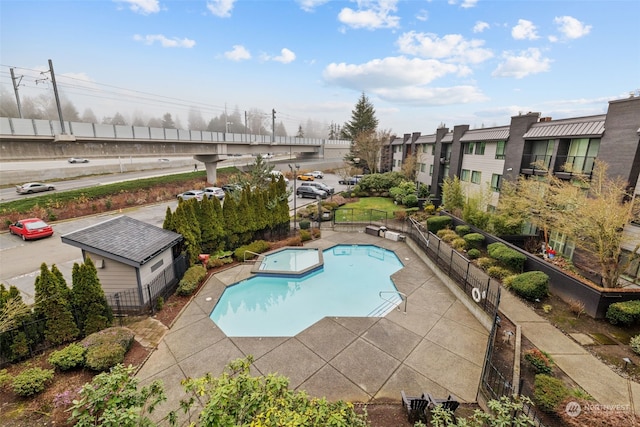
{"x": 475, "y": 177}
{"x": 468, "y": 148}
{"x": 480, "y": 148}
{"x": 500, "y": 150}
{"x": 423, "y": 167}
{"x": 433, "y": 150}
{"x": 561, "y": 244}
{"x": 496, "y": 182}
{"x": 465, "y": 175}
{"x": 430, "y": 170}
{"x": 157, "y": 265}
{"x": 582, "y": 154}
{"x": 425, "y": 148}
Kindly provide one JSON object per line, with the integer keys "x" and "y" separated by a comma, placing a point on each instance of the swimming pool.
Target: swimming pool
{"x": 291, "y": 261}
{"x": 347, "y": 285}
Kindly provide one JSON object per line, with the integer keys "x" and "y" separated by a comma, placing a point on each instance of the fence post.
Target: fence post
{"x": 117, "y": 297}
{"x": 151, "y": 303}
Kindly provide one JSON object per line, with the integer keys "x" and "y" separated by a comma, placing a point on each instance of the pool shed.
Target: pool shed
{"x": 136, "y": 262}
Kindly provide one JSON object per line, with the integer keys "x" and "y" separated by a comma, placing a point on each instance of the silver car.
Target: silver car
{"x": 191, "y": 194}
{"x": 33, "y": 187}
{"x": 214, "y": 192}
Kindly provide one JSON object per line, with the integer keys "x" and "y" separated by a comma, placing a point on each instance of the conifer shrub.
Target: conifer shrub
{"x": 474, "y": 240}
{"x": 305, "y": 235}
{"x": 548, "y": 392}
{"x": 107, "y": 348}
{"x": 31, "y": 381}
{"x": 531, "y": 285}
{"x": 439, "y": 222}
{"x": 191, "y": 279}
{"x": 473, "y": 253}
{"x": 463, "y": 230}
{"x": 485, "y": 262}
{"x": 506, "y": 256}
{"x": 626, "y": 313}
{"x": 70, "y": 357}
{"x": 498, "y": 273}
{"x": 459, "y": 244}
{"x": 305, "y": 224}
{"x": 449, "y": 236}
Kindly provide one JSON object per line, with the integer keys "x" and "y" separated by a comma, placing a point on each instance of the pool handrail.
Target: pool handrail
{"x": 403, "y": 297}
{"x": 254, "y": 253}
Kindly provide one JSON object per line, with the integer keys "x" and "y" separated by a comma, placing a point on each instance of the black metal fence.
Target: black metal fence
{"x": 136, "y": 302}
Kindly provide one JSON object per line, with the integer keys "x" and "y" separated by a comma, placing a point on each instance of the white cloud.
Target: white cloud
{"x": 390, "y": 72}
{"x": 524, "y": 30}
{"x": 286, "y": 56}
{"x": 220, "y": 8}
{"x": 371, "y": 15}
{"x": 150, "y": 39}
{"x": 523, "y": 64}
{"x": 432, "y": 96}
{"x": 571, "y": 28}
{"x": 144, "y": 7}
{"x": 238, "y": 53}
{"x": 453, "y": 47}
{"x": 465, "y": 4}
{"x": 480, "y": 27}
{"x": 423, "y": 15}
{"x": 310, "y": 5}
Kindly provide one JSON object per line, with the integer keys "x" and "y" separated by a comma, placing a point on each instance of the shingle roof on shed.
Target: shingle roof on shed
{"x": 125, "y": 239}
{"x": 579, "y": 127}
{"x": 489, "y": 134}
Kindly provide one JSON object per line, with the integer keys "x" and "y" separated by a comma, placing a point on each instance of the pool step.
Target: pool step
{"x": 386, "y": 307}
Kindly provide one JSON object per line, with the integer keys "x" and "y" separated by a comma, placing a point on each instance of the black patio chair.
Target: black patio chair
{"x": 416, "y": 407}
{"x": 450, "y": 404}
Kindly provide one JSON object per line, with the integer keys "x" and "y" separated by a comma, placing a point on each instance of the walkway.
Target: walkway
{"x": 437, "y": 347}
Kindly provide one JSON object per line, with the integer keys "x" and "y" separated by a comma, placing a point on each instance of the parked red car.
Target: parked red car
{"x": 31, "y": 228}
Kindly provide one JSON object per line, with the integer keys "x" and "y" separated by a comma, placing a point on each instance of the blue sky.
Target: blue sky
{"x": 421, "y": 63}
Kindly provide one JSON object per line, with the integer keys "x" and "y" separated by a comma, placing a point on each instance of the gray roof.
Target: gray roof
{"x": 488, "y": 134}
{"x": 448, "y": 137}
{"x": 124, "y": 239}
{"x": 579, "y": 127}
{"x": 426, "y": 139}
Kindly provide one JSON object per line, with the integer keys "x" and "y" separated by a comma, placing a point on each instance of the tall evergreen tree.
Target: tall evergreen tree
{"x": 187, "y": 224}
{"x": 230, "y": 217}
{"x": 168, "y": 223}
{"x": 363, "y": 120}
{"x": 88, "y": 299}
{"x": 210, "y": 227}
{"x": 60, "y": 326}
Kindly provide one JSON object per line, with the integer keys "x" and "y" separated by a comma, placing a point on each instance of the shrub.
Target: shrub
{"x": 31, "y": 381}
{"x": 475, "y": 240}
{"x": 498, "y": 273}
{"x": 532, "y": 285}
{"x": 507, "y": 281}
{"x": 548, "y": 392}
{"x": 104, "y": 356}
{"x": 5, "y": 378}
{"x": 449, "y": 236}
{"x": 459, "y": 244}
{"x": 216, "y": 262}
{"x": 316, "y": 233}
{"x": 107, "y": 347}
{"x": 627, "y": 312}
{"x": 191, "y": 279}
{"x": 72, "y": 356}
{"x": 410, "y": 200}
{"x": 439, "y": 222}
{"x": 540, "y": 361}
{"x": 463, "y": 230}
{"x": 245, "y": 252}
{"x": 485, "y": 262}
{"x": 473, "y": 253}
{"x": 444, "y": 232}
{"x": 305, "y": 224}
{"x": 576, "y": 307}
{"x": 305, "y": 235}
{"x": 508, "y": 257}
{"x": 634, "y": 342}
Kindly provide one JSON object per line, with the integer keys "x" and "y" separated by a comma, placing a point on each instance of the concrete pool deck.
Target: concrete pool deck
{"x": 438, "y": 346}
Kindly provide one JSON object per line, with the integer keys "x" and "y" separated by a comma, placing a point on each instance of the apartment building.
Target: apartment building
{"x": 531, "y": 144}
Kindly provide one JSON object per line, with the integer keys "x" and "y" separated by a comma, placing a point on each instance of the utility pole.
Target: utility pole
{"x": 15, "y": 89}
{"x": 55, "y": 92}
{"x": 246, "y": 128}
{"x": 273, "y": 125}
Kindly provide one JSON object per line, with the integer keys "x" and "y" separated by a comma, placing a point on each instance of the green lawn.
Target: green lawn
{"x": 367, "y": 209}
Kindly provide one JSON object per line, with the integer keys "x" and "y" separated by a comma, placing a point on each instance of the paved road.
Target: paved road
{"x": 20, "y": 261}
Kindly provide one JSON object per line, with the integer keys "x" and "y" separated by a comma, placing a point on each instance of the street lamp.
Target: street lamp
{"x": 295, "y": 196}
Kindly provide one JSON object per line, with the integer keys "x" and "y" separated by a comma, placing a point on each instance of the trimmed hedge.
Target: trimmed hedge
{"x": 258, "y": 247}
{"x": 463, "y": 230}
{"x": 31, "y": 381}
{"x": 72, "y": 356}
{"x": 508, "y": 257}
{"x": 439, "y": 222}
{"x": 474, "y": 240}
{"x": 107, "y": 348}
{"x": 531, "y": 285}
{"x": 191, "y": 279}
{"x": 627, "y": 312}
{"x": 473, "y": 253}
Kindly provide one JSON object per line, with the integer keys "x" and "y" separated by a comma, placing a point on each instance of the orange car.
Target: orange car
{"x": 306, "y": 177}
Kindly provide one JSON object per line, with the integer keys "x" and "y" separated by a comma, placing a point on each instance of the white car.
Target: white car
{"x": 317, "y": 174}
{"x": 191, "y": 194}
{"x": 214, "y": 192}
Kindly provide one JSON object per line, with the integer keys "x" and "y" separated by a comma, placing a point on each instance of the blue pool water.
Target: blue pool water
{"x": 277, "y": 306}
